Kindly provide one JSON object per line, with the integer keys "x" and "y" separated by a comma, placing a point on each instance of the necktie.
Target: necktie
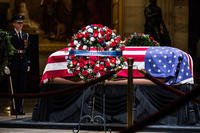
{"x": 19, "y": 35}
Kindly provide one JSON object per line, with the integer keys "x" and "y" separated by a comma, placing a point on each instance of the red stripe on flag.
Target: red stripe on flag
{"x": 55, "y": 73}
{"x": 124, "y": 73}
{"x": 60, "y": 58}
{"x": 138, "y": 58}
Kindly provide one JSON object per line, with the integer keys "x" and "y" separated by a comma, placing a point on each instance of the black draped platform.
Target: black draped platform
{"x": 66, "y": 108}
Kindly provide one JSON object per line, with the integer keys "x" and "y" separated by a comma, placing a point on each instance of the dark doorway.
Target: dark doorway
{"x": 88, "y": 12}
{"x": 194, "y": 34}
{"x": 3, "y": 15}
{"x": 60, "y": 20}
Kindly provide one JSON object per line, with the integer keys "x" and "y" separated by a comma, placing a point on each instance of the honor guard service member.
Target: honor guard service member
{"x": 19, "y": 63}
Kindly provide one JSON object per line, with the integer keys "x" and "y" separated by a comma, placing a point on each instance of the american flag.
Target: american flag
{"x": 57, "y": 66}
{"x": 170, "y": 63}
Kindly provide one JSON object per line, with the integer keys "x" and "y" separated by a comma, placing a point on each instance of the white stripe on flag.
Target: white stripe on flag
{"x": 142, "y": 52}
{"x": 55, "y": 66}
{"x": 136, "y": 65}
{"x": 59, "y": 53}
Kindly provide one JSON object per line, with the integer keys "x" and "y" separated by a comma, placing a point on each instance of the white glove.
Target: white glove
{"x": 6, "y": 70}
{"x": 28, "y": 69}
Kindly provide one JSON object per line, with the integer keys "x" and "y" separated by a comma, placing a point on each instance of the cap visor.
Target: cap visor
{"x": 19, "y": 21}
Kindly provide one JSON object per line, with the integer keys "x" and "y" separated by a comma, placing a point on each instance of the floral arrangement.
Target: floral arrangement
{"x": 140, "y": 39}
{"x": 100, "y": 52}
{"x": 6, "y": 49}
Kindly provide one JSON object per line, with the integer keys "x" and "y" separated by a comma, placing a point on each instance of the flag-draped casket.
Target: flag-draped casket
{"x": 172, "y": 64}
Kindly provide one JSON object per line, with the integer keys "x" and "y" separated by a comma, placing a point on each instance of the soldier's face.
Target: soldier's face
{"x": 18, "y": 25}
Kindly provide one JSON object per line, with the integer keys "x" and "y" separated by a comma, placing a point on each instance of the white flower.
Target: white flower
{"x": 84, "y": 39}
{"x": 84, "y": 47}
{"x": 78, "y": 68}
{"x": 75, "y": 42}
{"x": 108, "y": 44}
{"x": 81, "y": 76}
{"x": 113, "y": 34}
{"x": 69, "y": 71}
{"x": 112, "y": 65}
{"x": 99, "y": 35}
{"x": 92, "y": 39}
{"x": 90, "y": 70}
{"x": 117, "y": 61}
{"x": 70, "y": 64}
{"x": 110, "y": 49}
{"x": 88, "y": 26}
{"x": 90, "y": 30}
{"x": 78, "y": 44}
{"x": 98, "y": 74}
{"x": 69, "y": 48}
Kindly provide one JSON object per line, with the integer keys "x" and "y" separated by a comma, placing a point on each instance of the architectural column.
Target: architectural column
{"x": 134, "y": 18}
{"x": 117, "y": 16}
{"x": 167, "y": 7}
{"x": 175, "y": 15}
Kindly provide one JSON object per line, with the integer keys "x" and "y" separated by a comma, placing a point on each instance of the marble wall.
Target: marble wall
{"x": 134, "y": 16}
{"x": 181, "y": 11}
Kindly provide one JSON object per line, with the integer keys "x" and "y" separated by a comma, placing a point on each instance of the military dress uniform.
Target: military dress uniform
{"x": 19, "y": 65}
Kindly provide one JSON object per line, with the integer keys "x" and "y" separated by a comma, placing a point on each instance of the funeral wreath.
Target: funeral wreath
{"x": 94, "y": 51}
{"x": 140, "y": 39}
